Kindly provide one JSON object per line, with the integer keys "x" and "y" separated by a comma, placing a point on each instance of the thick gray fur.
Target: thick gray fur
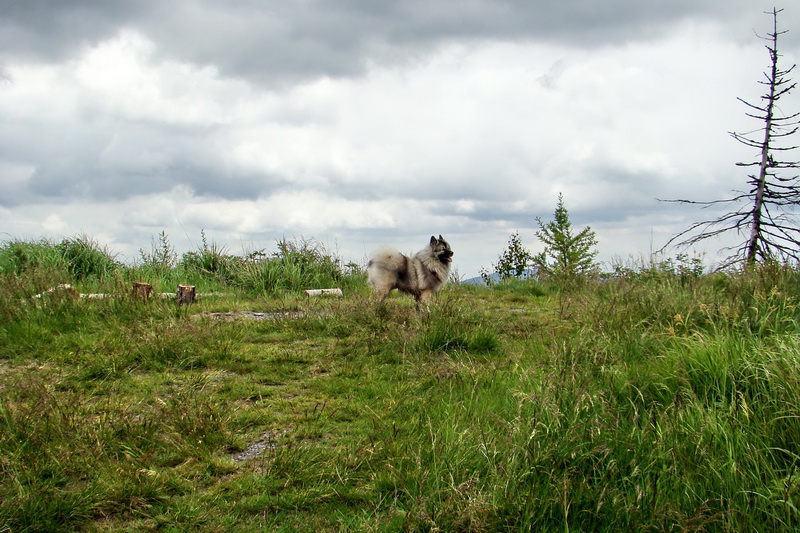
{"x": 420, "y": 275}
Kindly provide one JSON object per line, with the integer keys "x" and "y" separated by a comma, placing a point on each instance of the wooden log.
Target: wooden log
{"x": 324, "y": 292}
{"x": 186, "y": 294}
{"x": 142, "y": 290}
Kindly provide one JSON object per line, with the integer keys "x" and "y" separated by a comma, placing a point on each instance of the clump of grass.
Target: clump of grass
{"x": 296, "y": 266}
{"x": 161, "y": 258}
{"x": 448, "y": 326}
{"x": 86, "y": 258}
{"x": 18, "y": 257}
{"x": 81, "y": 257}
{"x": 211, "y": 260}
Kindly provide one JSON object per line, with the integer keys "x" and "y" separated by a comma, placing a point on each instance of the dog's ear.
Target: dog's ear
{"x": 441, "y": 239}
{"x": 433, "y": 240}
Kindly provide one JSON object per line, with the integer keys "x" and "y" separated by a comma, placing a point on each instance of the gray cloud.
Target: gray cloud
{"x": 277, "y": 42}
{"x": 53, "y": 31}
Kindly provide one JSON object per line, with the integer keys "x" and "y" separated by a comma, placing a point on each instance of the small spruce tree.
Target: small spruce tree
{"x": 513, "y": 262}
{"x": 566, "y": 256}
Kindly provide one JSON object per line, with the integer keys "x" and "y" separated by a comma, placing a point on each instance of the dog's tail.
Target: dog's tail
{"x": 386, "y": 257}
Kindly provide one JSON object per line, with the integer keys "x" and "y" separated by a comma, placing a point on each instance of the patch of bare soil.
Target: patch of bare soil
{"x": 252, "y": 315}
{"x": 268, "y": 441}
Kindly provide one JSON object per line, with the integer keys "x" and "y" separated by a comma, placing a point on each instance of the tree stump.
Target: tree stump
{"x": 186, "y": 294}
{"x": 142, "y": 290}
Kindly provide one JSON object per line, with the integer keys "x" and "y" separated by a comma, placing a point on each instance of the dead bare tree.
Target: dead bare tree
{"x": 765, "y": 213}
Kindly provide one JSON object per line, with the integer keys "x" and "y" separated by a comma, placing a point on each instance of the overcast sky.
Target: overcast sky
{"x": 362, "y": 123}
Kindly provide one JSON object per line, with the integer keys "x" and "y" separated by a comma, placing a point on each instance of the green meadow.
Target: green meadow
{"x": 654, "y": 398}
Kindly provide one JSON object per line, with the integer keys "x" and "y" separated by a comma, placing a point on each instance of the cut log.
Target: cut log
{"x": 324, "y": 292}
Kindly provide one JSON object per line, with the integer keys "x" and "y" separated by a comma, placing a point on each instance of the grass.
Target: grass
{"x": 653, "y": 400}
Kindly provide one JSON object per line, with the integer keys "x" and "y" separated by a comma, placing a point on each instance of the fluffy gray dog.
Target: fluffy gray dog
{"x": 420, "y": 275}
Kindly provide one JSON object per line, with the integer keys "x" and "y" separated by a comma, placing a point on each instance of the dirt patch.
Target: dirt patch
{"x": 251, "y": 315}
{"x": 268, "y": 441}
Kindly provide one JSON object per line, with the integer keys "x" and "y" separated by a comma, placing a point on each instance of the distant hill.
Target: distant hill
{"x": 477, "y": 280}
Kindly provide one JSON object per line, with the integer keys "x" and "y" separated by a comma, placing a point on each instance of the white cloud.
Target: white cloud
{"x": 53, "y": 224}
{"x": 123, "y": 78}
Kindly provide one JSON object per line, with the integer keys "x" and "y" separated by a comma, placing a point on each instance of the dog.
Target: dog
{"x": 420, "y": 275}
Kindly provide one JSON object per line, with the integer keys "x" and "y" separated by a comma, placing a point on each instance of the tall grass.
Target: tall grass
{"x": 676, "y": 407}
{"x": 655, "y": 399}
{"x": 295, "y": 266}
{"x": 80, "y": 257}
